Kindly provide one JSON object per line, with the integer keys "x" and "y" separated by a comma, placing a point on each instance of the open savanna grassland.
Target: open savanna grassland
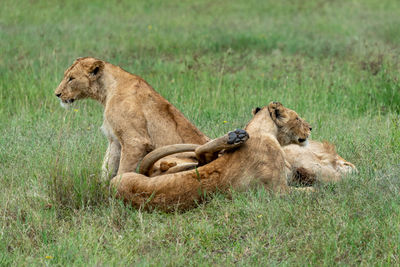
{"x": 335, "y": 62}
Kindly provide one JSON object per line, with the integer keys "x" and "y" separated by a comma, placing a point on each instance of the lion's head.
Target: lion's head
{"x": 291, "y": 128}
{"x": 81, "y": 80}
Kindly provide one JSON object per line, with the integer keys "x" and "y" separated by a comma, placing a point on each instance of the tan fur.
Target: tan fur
{"x": 202, "y": 153}
{"x": 316, "y": 162}
{"x": 259, "y": 161}
{"x": 174, "y": 163}
{"x": 295, "y": 129}
{"x": 155, "y": 155}
{"x": 136, "y": 118}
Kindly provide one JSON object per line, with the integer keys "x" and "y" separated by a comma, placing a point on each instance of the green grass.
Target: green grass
{"x": 335, "y": 62}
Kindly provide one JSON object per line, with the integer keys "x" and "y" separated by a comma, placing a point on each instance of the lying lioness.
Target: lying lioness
{"x": 136, "y": 118}
{"x": 316, "y": 162}
{"x": 259, "y": 161}
{"x": 307, "y": 165}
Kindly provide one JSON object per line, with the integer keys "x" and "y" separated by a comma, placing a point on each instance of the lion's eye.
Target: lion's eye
{"x": 297, "y": 119}
{"x": 70, "y": 79}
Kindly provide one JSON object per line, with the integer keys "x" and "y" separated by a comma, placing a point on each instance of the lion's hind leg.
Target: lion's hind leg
{"x": 209, "y": 151}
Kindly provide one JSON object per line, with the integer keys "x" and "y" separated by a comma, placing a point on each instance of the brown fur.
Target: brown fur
{"x": 295, "y": 129}
{"x": 136, "y": 118}
{"x": 203, "y": 154}
{"x": 173, "y": 163}
{"x": 259, "y": 161}
{"x": 182, "y": 159}
{"x": 316, "y": 162}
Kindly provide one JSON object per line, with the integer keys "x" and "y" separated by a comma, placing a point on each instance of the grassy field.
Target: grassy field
{"x": 335, "y": 62}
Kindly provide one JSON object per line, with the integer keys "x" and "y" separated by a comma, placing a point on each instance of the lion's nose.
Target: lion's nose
{"x": 58, "y": 95}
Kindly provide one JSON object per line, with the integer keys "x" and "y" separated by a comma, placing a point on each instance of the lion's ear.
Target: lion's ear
{"x": 95, "y": 69}
{"x": 277, "y": 112}
{"x": 274, "y": 109}
{"x": 254, "y": 111}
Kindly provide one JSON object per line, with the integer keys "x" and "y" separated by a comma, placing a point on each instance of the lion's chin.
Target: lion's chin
{"x": 304, "y": 144}
{"x": 65, "y": 104}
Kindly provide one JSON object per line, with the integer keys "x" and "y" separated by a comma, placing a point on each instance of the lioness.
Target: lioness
{"x": 316, "y": 162}
{"x": 260, "y": 160}
{"x": 136, "y": 118}
{"x": 307, "y": 164}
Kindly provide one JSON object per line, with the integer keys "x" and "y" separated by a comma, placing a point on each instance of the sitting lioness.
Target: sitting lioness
{"x": 259, "y": 161}
{"x": 136, "y": 118}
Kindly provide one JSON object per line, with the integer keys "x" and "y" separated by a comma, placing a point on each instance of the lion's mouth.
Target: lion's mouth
{"x": 68, "y": 101}
{"x": 302, "y": 141}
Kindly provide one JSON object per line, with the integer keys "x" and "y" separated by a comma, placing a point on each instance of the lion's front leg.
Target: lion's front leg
{"x": 111, "y": 160}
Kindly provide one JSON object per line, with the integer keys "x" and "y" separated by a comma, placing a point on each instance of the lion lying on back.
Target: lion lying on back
{"x": 259, "y": 161}
{"x": 314, "y": 162}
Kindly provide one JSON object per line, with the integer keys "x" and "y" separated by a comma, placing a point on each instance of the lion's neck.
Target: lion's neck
{"x": 112, "y": 76}
{"x": 262, "y": 125}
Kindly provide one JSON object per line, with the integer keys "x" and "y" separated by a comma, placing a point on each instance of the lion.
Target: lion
{"x": 259, "y": 161}
{"x": 307, "y": 164}
{"x": 317, "y": 162}
{"x": 314, "y": 163}
{"x": 136, "y": 118}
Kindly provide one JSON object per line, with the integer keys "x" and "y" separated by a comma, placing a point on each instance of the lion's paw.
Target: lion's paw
{"x": 238, "y": 136}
